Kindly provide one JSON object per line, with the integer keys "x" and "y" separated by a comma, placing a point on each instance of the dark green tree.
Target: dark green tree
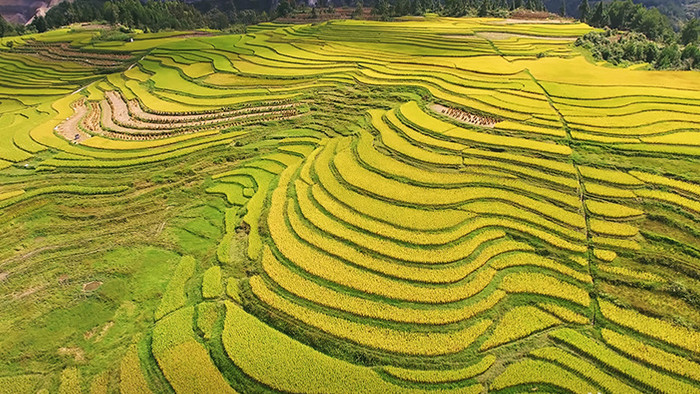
{"x": 3, "y": 27}
{"x": 417, "y": 7}
{"x": 584, "y": 10}
{"x": 402, "y": 7}
{"x": 670, "y": 57}
{"x": 217, "y": 19}
{"x": 110, "y": 12}
{"x": 620, "y": 14}
{"x": 381, "y": 9}
{"x": 39, "y": 23}
{"x": 691, "y": 56}
{"x": 413, "y": 7}
{"x": 690, "y": 34}
{"x": 599, "y": 18}
{"x": 651, "y": 52}
{"x": 359, "y": 12}
{"x": 562, "y": 8}
{"x": 283, "y": 9}
{"x": 652, "y": 23}
{"x": 483, "y": 9}
{"x": 454, "y": 7}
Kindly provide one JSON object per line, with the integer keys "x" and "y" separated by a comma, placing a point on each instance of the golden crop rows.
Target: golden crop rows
{"x": 432, "y": 204}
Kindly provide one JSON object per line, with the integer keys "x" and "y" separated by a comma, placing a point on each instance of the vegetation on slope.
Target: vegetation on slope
{"x": 424, "y": 205}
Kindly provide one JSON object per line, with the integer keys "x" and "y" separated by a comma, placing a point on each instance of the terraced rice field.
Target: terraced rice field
{"x": 443, "y": 205}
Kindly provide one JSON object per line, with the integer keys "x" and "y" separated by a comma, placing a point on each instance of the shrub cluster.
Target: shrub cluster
{"x": 631, "y": 47}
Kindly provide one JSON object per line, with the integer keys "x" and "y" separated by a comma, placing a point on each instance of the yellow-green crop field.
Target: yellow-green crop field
{"x": 425, "y": 205}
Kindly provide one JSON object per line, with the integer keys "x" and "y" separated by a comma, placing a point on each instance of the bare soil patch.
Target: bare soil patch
{"x": 93, "y": 333}
{"x": 27, "y": 292}
{"x": 243, "y": 228}
{"x": 77, "y": 353}
{"x": 104, "y": 330}
{"x": 94, "y": 26}
{"x": 465, "y": 117}
{"x": 92, "y": 286}
{"x": 69, "y": 128}
{"x": 90, "y": 333}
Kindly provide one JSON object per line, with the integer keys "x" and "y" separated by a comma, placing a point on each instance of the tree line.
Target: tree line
{"x": 453, "y": 8}
{"x": 387, "y": 10}
{"x": 8, "y": 29}
{"x": 151, "y": 15}
{"x": 634, "y": 33}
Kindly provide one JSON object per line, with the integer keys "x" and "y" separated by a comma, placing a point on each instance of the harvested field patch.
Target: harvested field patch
{"x": 76, "y": 353}
{"x": 465, "y": 117}
{"x": 91, "y": 286}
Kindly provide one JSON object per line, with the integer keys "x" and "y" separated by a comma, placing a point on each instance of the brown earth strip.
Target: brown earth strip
{"x": 464, "y": 117}
{"x": 69, "y": 128}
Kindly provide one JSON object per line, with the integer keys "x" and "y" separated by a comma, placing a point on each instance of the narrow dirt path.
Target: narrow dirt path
{"x": 69, "y": 129}
{"x": 581, "y": 186}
